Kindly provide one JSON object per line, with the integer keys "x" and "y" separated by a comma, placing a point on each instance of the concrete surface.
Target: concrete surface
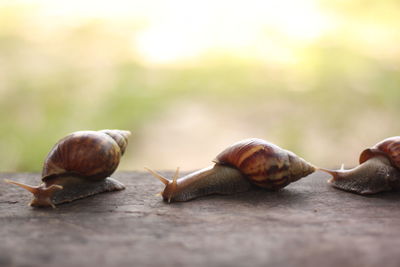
{"x": 306, "y": 224}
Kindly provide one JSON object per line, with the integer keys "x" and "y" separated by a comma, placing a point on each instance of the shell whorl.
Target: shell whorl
{"x": 94, "y": 155}
{"x": 389, "y": 147}
{"x": 265, "y": 164}
{"x": 119, "y": 136}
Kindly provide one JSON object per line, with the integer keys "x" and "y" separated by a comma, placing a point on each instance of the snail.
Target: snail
{"x": 78, "y": 166}
{"x": 238, "y": 167}
{"x": 379, "y": 170}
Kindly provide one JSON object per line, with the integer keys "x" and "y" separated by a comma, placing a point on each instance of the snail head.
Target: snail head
{"x": 170, "y": 186}
{"x": 42, "y": 194}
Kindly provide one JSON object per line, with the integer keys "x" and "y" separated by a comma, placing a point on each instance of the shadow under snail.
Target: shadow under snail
{"x": 245, "y": 163}
{"x": 78, "y": 166}
{"x": 379, "y": 170}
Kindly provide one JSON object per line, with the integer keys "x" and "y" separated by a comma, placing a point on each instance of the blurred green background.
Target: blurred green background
{"x": 189, "y": 78}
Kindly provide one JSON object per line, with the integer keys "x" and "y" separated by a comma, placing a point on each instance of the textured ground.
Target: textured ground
{"x": 306, "y": 224}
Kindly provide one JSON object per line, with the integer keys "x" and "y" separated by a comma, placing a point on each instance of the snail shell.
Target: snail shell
{"x": 91, "y": 154}
{"x": 379, "y": 170}
{"x": 251, "y": 161}
{"x": 264, "y": 164}
{"x": 79, "y": 165}
{"x": 389, "y": 148}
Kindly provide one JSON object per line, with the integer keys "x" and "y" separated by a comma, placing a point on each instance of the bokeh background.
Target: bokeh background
{"x": 189, "y": 78}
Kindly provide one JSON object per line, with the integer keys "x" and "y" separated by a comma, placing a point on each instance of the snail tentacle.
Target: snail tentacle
{"x": 174, "y": 185}
{"x": 164, "y": 180}
{"x": 33, "y": 189}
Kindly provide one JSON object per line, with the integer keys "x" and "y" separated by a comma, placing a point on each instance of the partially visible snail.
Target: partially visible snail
{"x": 78, "y": 166}
{"x": 251, "y": 161}
{"x": 379, "y": 170}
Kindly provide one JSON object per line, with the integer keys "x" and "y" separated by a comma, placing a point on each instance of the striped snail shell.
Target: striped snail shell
{"x": 389, "y": 148}
{"x": 264, "y": 164}
{"x": 251, "y": 161}
{"x": 79, "y": 165}
{"x": 379, "y": 170}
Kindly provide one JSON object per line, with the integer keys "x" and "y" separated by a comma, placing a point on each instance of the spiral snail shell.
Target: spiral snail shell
{"x": 78, "y": 166}
{"x": 379, "y": 170}
{"x": 251, "y": 161}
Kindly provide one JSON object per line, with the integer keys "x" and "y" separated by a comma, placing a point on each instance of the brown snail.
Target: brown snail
{"x": 78, "y": 166}
{"x": 379, "y": 170}
{"x": 251, "y": 161}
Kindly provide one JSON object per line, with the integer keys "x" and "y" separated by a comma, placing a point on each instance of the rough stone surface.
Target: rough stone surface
{"x": 306, "y": 224}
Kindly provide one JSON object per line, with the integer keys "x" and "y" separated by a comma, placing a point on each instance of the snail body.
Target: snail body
{"x": 78, "y": 166}
{"x": 379, "y": 170}
{"x": 238, "y": 167}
